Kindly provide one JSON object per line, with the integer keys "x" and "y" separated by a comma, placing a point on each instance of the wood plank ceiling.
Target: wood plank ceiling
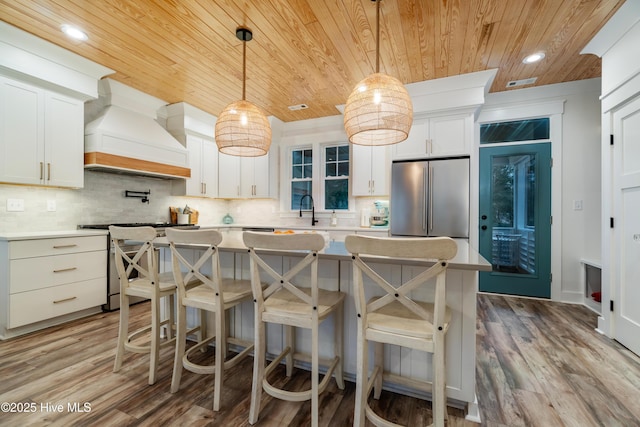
{"x": 315, "y": 51}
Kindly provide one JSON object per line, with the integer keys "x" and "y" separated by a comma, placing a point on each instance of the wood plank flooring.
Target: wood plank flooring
{"x": 539, "y": 363}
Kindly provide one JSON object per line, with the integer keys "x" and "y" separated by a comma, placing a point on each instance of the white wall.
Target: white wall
{"x": 580, "y": 177}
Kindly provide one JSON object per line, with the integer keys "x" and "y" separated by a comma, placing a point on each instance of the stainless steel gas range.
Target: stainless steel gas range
{"x": 113, "y": 284}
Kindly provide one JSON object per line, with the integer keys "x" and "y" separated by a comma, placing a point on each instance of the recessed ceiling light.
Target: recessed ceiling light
{"x": 74, "y": 32}
{"x": 298, "y": 107}
{"x": 533, "y": 58}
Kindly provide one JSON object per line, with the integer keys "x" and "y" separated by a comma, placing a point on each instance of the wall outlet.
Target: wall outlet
{"x": 577, "y": 205}
{"x": 15, "y": 205}
{"x": 51, "y": 205}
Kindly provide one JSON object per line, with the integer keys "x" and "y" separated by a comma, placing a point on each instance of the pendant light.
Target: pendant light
{"x": 379, "y": 110}
{"x": 242, "y": 129}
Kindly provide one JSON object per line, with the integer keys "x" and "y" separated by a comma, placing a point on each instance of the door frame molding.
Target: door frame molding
{"x": 553, "y": 109}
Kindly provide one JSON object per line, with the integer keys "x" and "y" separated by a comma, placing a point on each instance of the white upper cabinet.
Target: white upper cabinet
{"x": 41, "y": 136}
{"x": 254, "y": 180}
{"x": 370, "y": 170}
{"x": 243, "y": 177}
{"x": 228, "y": 176}
{"x": 437, "y": 136}
{"x": 203, "y": 162}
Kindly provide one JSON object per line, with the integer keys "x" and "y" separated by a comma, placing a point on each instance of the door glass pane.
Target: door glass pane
{"x": 513, "y": 222}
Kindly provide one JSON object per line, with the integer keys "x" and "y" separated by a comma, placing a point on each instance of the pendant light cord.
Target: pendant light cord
{"x": 244, "y": 68}
{"x": 378, "y": 36}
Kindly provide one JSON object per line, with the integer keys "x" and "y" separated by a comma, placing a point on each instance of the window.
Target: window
{"x": 336, "y": 177}
{"x": 301, "y": 176}
{"x": 519, "y": 130}
{"x": 321, "y": 171}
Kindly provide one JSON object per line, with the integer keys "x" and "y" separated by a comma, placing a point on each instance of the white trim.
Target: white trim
{"x": 614, "y": 30}
{"x": 30, "y": 58}
{"x": 521, "y": 111}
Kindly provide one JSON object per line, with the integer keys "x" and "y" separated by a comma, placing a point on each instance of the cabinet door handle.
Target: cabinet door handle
{"x": 64, "y": 300}
{"x": 73, "y": 245}
{"x": 41, "y": 171}
{"x": 373, "y": 186}
{"x": 62, "y": 270}
{"x": 48, "y": 171}
{"x": 204, "y": 184}
{"x": 430, "y": 198}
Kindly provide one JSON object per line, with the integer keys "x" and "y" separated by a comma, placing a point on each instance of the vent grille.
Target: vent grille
{"x": 523, "y": 82}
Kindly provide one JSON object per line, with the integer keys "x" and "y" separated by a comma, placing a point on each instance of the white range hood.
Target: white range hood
{"x": 125, "y": 136}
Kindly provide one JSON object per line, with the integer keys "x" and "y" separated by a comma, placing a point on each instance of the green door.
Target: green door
{"x": 515, "y": 219}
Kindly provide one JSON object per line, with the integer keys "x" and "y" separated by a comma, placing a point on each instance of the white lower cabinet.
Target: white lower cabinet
{"x": 43, "y": 279}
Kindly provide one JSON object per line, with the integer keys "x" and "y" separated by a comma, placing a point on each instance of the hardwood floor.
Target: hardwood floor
{"x": 538, "y": 364}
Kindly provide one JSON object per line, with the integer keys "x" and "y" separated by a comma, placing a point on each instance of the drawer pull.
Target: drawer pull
{"x": 64, "y": 246}
{"x": 64, "y": 300}
{"x": 65, "y": 269}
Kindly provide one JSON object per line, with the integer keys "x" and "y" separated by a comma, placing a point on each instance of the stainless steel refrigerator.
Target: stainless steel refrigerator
{"x": 430, "y": 198}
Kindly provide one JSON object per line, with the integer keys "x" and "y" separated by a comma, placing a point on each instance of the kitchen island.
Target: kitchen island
{"x": 335, "y": 272}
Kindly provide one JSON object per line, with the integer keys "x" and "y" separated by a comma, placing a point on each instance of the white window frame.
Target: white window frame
{"x": 317, "y": 186}
{"x": 323, "y": 178}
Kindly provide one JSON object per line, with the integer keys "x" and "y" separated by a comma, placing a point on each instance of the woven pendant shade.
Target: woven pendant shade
{"x": 378, "y": 112}
{"x": 242, "y": 129}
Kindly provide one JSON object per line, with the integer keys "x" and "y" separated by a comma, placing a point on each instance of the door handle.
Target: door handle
{"x": 424, "y": 198}
{"x": 430, "y": 198}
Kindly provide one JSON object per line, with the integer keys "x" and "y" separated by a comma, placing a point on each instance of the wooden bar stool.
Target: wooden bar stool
{"x": 139, "y": 277}
{"x": 291, "y": 305}
{"x": 201, "y": 286}
{"x": 395, "y": 318}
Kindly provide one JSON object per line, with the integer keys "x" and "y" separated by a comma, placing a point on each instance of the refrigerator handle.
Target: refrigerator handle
{"x": 424, "y": 208}
{"x": 430, "y": 198}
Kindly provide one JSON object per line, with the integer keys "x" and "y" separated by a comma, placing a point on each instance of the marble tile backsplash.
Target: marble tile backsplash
{"x": 102, "y": 200}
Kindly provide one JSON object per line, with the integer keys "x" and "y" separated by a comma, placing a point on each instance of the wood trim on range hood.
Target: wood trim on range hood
{"x": 99, "y": 161}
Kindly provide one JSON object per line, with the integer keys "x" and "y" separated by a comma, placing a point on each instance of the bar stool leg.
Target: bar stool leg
{"x": 339, "y": 346}
{"x": 258, "y": 372}
{"x": 362, "y": 377}
{"x": 290, "y": 341}
{"x": 378, "y": 361}
{"x": 181, "y": 332}
{"x": 314, "y": 373}
{"x": 221, "y": 353}
{"x": 123, "y": 331}
{"x": 155, "y": 340}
